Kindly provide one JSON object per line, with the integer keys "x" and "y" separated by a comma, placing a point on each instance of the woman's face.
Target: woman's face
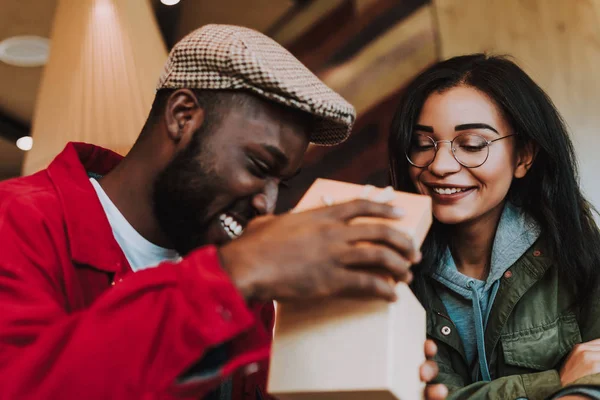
{"x": 463, "y": 194}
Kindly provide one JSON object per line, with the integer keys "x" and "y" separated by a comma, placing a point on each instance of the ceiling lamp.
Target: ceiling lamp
{"x": 99, "y": 83}
{"x": 25, "y": 143}
{"x": 169, "y": 2}
{"x": 25, "y": 51}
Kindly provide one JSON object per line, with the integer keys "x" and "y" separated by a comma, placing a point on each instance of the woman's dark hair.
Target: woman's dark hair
{"x": 549, "y": 192}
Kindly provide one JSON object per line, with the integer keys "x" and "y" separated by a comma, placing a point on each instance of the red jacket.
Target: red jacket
{"x": 76, "y": 323}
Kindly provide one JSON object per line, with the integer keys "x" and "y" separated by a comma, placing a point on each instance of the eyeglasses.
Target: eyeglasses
{"x": 469, "y": 149}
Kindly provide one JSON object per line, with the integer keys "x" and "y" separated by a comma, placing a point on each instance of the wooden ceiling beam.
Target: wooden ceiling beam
{"x": 302, "y": 19}
{"x": 376, "y": 19}
{"x": 387, "y": 63}
{"x": 347, "y": 29}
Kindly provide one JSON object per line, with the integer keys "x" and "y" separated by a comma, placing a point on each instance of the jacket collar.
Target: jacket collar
{"x": 528, "y": 270}
{"x": 515, "y": 234}
{"x": 90, "y": 237}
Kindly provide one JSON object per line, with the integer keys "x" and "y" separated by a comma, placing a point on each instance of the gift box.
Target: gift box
{"x": 351, "y": 349}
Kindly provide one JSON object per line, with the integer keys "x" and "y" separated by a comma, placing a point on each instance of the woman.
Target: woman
{"x": 509, "y": 275}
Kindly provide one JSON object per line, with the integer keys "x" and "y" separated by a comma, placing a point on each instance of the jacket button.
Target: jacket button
{"x": 225, "y": 313}
{"x": 537, "y": 253}
{"x": 446, "y": 330}
{"x": 508, "y": 274}
{"x": 252, "y": 369}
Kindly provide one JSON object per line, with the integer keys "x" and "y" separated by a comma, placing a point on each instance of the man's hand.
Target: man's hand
{"x": 429, "y": 371}
{"x": 317, "y": 254}
{"x": 583, "y": 360}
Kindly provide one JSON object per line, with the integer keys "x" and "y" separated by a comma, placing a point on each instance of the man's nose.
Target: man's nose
{"x": 264, "y": 202}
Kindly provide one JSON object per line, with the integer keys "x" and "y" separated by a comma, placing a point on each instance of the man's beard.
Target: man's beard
{"x": 182, "y": 195}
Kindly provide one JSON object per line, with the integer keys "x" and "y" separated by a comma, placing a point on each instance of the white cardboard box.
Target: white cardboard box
{"x": 347, "y": 349}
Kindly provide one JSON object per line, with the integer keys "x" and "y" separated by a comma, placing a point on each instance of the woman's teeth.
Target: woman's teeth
{"x": 233, "y": 228}
{"x": 448, "y": 190}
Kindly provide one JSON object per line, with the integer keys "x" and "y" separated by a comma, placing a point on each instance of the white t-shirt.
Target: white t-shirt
{"x": 140, "y": 252}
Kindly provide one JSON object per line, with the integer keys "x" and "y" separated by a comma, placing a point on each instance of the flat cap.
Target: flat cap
{"x": 230, "y": 57}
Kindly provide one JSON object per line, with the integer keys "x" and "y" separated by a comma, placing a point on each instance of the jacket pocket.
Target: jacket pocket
{"x": 541, "y": 348}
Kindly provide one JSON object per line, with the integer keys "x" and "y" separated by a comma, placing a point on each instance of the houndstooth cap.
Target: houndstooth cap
{"x": 237, "y": 58}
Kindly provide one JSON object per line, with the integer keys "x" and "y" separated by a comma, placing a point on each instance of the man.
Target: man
{"x": 120, "y": 278}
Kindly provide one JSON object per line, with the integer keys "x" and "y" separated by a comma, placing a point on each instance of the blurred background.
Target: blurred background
{"x": 85, "y": 70}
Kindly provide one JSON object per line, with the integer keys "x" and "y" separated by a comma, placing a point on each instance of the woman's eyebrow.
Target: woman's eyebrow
{"x": 424, "y": 128}
{"x": 479, "y": 125}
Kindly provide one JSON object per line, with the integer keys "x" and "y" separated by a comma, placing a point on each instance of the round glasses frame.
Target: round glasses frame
{"x": 436, "y": 142}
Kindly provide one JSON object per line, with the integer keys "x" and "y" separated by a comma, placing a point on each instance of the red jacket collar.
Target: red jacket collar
{"x": 90, "y": 236}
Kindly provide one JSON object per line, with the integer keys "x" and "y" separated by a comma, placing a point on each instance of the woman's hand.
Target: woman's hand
{"x": 583, "y": 360}
{"x": 429, "y": 371}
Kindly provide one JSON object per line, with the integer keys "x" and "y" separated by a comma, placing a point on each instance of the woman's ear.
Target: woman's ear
{"x": 183, "y": 115}
{"x": 525, "y": 158}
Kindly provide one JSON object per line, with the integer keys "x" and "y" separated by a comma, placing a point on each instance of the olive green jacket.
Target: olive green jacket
{"x": 530, "y": 331}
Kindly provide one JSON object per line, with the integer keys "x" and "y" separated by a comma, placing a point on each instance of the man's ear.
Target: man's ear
{"x": 183, "y": 116}
{"x": 525, "y": 158}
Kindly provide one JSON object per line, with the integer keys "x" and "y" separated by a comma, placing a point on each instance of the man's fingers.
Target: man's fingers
{"x": 259, "y": 221}
{"x": 362, "y": 208}
{"x": 372, "y": 255}
{"x": 383, "y": 234}
{"x": 436, "y": 392}
{"x": 428, "y": 371}
{"x": 430, "y": 348}
{"x": 363, "y": 284}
